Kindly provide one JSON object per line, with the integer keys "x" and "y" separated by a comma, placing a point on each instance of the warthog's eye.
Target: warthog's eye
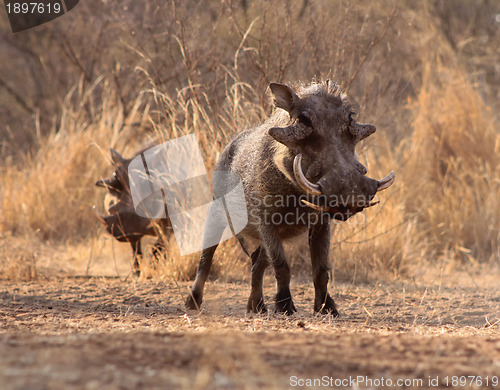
{"x": 351, "y": 119}
{"x": 303, "y": 119}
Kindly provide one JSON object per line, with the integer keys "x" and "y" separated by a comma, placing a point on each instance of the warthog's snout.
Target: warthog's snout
{"x": 341, "y": 203}
{"x": 114, "y": 184}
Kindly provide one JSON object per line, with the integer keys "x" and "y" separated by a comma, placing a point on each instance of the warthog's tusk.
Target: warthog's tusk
{"x": 315, "y": 206}
{"x": 99, "y": 218}
{"x": 306, "y": 185}
{"x": 326, "y": 209}
{"x": 386, "y": 182}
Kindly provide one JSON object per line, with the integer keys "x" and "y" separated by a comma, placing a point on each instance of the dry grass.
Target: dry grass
{"x": 455, "y": 154}
{"x": 436, "y": 129}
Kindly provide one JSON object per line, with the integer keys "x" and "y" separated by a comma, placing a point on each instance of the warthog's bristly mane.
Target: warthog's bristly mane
{"x": 321, "y": 88}
{"x": 324, "y": 88}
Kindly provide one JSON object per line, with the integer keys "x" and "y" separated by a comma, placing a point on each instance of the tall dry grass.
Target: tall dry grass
{"x": 436, "y": 126}
{"x": 454, "y": 167}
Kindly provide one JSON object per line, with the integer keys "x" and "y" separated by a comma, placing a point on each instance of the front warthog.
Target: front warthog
{"x": 299, "y": 170}
{"x": 122, "y": 221}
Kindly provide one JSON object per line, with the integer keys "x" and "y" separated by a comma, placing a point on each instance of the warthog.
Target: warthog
{"x": 122, "y": 221}
{"x": 299, "y": 170}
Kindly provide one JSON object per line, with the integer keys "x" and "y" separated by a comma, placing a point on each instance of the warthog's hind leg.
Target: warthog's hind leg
{"x": 319, "y": 246}
{"x": 276, "y": 254}
{"x": 158, "y": 249}
{"x": 259, "y": 264}
{"x": 158, "y": 252}
{"x": 215, "y": 225}
{"x": 195, "y": 297}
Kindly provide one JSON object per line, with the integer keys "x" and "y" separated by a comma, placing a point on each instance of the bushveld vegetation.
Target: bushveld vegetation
{"x": 120, "y": 73}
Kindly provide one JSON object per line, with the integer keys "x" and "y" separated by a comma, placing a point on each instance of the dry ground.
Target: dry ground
{"x": 107, "y": 333}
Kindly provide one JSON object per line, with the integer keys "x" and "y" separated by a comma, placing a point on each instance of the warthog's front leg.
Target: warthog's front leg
{"x": 276, "y": 255}
{"x": 137, "y": 250}
{"x": 319, "y": 246}
{"x": 259, "y": 264}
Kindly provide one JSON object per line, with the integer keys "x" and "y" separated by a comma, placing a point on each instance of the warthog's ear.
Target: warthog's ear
{"x": 116, "y": 157}
{"x": 284, "y": 96}
{"x": 290, "y": 136}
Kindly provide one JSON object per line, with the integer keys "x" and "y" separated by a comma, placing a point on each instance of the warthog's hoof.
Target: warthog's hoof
{"x": 193, "y": 301}
{"x": 256, "y": 305}
{"x": 284, "y": 303}
{"x": 326, "y": 306}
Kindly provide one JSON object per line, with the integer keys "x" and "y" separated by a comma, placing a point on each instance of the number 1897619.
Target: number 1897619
{"x": 33, "y": 8}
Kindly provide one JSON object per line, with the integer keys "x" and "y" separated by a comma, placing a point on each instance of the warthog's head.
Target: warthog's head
{"x": 118, "y": 183}
{"x": 322, "y": 135}
{"x": 122, "y": 221}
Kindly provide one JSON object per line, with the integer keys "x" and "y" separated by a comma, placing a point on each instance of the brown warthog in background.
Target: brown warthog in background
{"x": 299, "y": 170}
{"x": 122, "y": 221}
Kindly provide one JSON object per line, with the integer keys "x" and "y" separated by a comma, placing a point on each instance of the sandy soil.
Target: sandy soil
{"x": 96, "y": 333}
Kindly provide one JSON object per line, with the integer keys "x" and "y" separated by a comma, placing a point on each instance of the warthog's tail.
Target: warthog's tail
{"x": 242, "y": 244}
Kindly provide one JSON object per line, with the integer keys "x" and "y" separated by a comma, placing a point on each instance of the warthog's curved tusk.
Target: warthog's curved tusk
{"x": 386, "y": 182}
{"x": 99, "y": 218}
{"x": 306, "y": 185}
{"x": 315, "y": 206}
{"x": 326, "y": 209}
